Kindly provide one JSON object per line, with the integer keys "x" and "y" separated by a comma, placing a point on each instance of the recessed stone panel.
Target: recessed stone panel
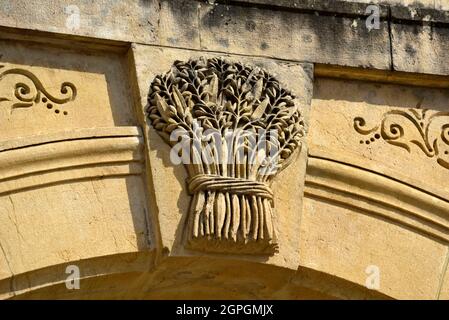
{"x": 397, "y": 131}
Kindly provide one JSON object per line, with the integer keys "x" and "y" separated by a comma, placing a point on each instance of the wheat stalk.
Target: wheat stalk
{"x": 232, "y": 206}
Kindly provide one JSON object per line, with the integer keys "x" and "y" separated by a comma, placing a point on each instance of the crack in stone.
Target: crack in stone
{"x": 14, "y": 221}
{"x": 12, "y": 288}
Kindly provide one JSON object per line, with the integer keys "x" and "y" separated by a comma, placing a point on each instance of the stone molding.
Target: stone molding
{"x": 376, "y": 194}
{"x": 69, "y": 156}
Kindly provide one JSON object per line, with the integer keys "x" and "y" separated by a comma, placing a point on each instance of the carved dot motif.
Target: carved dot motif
{"x": 395, "y": 132}
{"x": 31, "y": 96}
{"x": 56, "y": 111}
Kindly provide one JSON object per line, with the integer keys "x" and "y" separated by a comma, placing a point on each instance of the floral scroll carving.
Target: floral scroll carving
{"x": 428, "y": 130}
{"x": 232, "y": 207}
{"x": 30, "y": 91}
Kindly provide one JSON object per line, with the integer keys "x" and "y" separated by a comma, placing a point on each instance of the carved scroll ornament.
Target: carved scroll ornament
{"x": 229, "y": 173}
{"x": 30, "y": 91}
{"x": 428, "y": 130}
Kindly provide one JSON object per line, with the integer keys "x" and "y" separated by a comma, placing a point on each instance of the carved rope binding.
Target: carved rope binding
{"x": 232, "y": 201}
{"x": 26, "y": 95}
{"x": 428, "y": 130}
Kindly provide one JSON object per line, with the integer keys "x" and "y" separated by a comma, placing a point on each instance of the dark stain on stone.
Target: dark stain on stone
{"x": 416, "y": 29}
{"x": 224, "y": 42}
{"x": 371, "y": 96}
{"x": 307, "y": 38}
{"x": 216, "y": 17}
{"x": 264, "y": 46}
{"x": 431, "y": 33}
{"x": 410, "y": 50}
{"x": 172, "y": 41}
{"x": 250, "y": 25}
{"x": 145, "y": 3}
{"x": 192, "y": 34}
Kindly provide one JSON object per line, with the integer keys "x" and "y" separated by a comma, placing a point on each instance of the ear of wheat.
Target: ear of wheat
{"x": 229, "y": 179}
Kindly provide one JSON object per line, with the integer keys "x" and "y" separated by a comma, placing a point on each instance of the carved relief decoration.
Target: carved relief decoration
{"x": 232, "y": 202}
{"x": 30, "y": 91}
{"x": 428, "y": 130}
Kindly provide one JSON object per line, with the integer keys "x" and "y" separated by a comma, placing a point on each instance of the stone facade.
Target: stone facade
{"x": 91, "y": 93}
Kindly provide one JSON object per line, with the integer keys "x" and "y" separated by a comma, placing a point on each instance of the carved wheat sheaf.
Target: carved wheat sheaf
{"x": 428, "y": 130}
{"x": 31, "y": 91}
{"x": 232, "y": 204}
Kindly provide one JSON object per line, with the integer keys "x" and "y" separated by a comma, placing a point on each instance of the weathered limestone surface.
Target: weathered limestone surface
{"x": 345, "y": 242}
{"x": 420, "y": 49}
{"x": 97, "y": 19}
{"x": 86, "y": 180}
{"x": 84, "y": 212}
{"x": 316, "y": 30}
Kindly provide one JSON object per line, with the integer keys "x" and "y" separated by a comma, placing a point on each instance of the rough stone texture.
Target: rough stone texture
{"x": 96, "y": 19}
{"x": 433, "y": 4}
{"x": 225, "y": 28}
{"x": 420, "y": 49}
{"x": 356, "y": 46}
{"x": 316, "y": 30}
